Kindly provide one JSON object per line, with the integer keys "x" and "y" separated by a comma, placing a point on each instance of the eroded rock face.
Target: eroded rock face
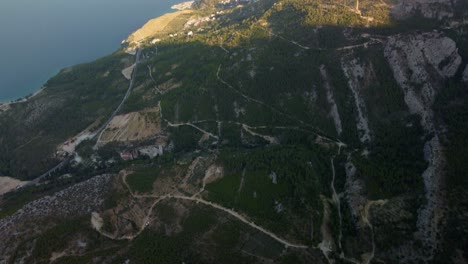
{"x": 335, "y": 115}
{"x": 354, "y": 187}
{"x": 354, "y": 71}
{"x": 465, "y": 74}
{"x": 434, "y": 9}
{"x": 430, "y": 215}
{"x": 41, "y": 214}
{"x": 419, "y": 63}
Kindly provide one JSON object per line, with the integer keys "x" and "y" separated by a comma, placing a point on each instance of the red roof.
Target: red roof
{"x": 126, "y": 156}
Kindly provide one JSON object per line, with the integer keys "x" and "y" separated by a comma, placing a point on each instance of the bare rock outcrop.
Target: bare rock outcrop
{"x": 430, "y": 215}
{"x": 42, "y": 214}
{"x": 355, "y": 189}
{"x": 465, "y": 74}
{"x": 434, "y": 9}
{"x": 335, "y": 115}
{"x": 354, "y": 72}
{"x": 420, "y": 63}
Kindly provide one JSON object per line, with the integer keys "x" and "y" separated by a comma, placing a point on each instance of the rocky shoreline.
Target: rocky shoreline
{"x": 6, "y": 105}
{"x": 183, "y": 5}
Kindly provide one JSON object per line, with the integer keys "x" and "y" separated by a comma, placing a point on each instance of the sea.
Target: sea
{"x": 40, "y": 37}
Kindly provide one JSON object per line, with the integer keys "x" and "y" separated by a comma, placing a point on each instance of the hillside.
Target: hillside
{"x": 270, "y": 131}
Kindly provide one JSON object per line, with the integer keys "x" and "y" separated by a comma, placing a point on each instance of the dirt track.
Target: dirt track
{"x": 7, "y": 184}
{"x": 159, "y": 198}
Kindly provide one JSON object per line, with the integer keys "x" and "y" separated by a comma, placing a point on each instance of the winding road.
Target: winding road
{"x": 99, "y": 131}
{"x": 127, "y": 94}
{"x": 197, "y": 200}
{"x": 239, "y": 217}
{"x": 49, "y": 172}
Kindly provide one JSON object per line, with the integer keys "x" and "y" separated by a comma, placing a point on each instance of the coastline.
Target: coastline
{"x": 4, "y": 106}
{"x": 152, "y": 27}
{"x": 183, "y": 5}
{"x": 16, "y": 94}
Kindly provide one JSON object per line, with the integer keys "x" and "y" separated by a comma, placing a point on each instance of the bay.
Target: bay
{"x": 40, "y": 37}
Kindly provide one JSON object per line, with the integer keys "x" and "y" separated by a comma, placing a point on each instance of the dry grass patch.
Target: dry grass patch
{"x": 133, "y": 126}
{"x": 157, "y": 25}
{"x": 7, "y": 184}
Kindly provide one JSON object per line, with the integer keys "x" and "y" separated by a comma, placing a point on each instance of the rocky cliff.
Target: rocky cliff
{"x": 433, "y": 9}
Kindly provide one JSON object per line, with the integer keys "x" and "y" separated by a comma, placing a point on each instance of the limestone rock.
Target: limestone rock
{"x": 420, "y": 63}
{"x": 434, "y": 9}
{"x": 465, "y": 74}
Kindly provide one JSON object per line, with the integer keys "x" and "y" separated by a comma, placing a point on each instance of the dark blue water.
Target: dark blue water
{"x": 40, "y": 37}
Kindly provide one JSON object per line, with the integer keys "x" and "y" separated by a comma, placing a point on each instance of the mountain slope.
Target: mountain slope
{"x": 290, "y": 131}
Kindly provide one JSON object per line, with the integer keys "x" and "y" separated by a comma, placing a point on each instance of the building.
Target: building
{"x": 126, "y": 155}
{"x": 129, "y": 155}
{"x": 151, "y": 151}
